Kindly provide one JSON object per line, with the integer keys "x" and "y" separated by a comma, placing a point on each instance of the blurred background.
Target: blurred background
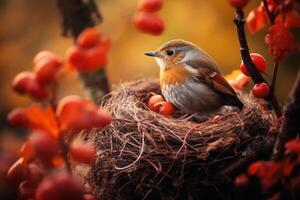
{"x": 27, "y": 27}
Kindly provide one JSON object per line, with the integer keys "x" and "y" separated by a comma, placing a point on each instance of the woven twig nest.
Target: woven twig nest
{"x": 144, "y": 155}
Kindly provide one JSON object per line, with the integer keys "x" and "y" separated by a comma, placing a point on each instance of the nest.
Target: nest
{"x": 144, "y": 155}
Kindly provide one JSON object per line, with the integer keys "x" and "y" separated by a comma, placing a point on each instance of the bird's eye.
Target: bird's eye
{"x": 170, "y": 52}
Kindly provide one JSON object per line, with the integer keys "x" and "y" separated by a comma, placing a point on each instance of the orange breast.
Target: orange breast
{"x": 173, "y": 75}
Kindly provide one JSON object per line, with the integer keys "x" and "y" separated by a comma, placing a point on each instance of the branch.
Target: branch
{"x": 259, "y": 149}
{"x": 291, "y": 121}
{"x": 250, "y": 66}
{"x": 76, "y": 16}
{"x": 270, "y": 14}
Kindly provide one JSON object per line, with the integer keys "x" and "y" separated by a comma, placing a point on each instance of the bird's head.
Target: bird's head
{"x": 181, "y": 53}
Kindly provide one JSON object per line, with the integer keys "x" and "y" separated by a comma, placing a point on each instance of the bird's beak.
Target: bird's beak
{"x": 151, "y": 53}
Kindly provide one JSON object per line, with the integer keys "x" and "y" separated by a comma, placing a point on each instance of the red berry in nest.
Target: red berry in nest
{"x": 166, "y": 108}
{"x": 149, "y": 23}
{"x": 153, "y": 102}
{"x": 150, "y": 5}
{"x": 259, "y": 62}
{"x": 260, "y": 90}
{"x": 238, "y": 3}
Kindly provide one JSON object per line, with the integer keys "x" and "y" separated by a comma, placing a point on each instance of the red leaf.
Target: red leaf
{"x": 289, "y": 19}
{"x": 75, "y": 115}
{"x": 36, "y": 118}
{"x": 269, "y": 173}
{"x": 281, "y": 42}
{"x": 257, "y": 19}
{"x": 293, "y": 146}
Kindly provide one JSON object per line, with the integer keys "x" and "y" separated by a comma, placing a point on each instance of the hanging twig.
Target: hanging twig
{"x": 291, "y": 121}
{"x": 250, "y": 66}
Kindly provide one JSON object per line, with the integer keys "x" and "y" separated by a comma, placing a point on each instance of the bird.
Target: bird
{"x": 191, "y": 80}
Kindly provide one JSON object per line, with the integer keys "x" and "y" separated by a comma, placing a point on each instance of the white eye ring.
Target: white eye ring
{"x": 170, "y": 52}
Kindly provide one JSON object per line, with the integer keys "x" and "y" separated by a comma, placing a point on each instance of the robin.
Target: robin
{"x": 191, "y": 80}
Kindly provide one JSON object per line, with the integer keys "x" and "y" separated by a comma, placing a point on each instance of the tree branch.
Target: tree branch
{"x": 270, "y": 14}
{"x": 76, "y": 16}
{"x": 291, "y": 121}
{"x": 250, "y": 66}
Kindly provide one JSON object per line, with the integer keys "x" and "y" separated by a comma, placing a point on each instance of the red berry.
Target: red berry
{"x": 241, "y": 181}
{"x": 20, "y": 82}
{"x": 149, "y": 23}
{"x": 96, "y": 57}
{"x": 37, "y": 91}
{"x": 44, "y": 54}
{"x": 150, "y": 5}
{"x": 46, "y": 70}
{"x": 35, "y": 173}
{"x": 47, "y": 190}
{"x": 104, "y": 118}
{"x": 17, "y": 118}
{"x": 89, "y": 197}
{"x": 88, "y": 38}
{"x": 152, "y": 102}
{"x": 166, "y": 108}
{"x": 238, "y": 3}
{"x": 76, "y": 57}
{"x": 82, "y": 153}
{"x": 26, "y": 190}
{"x": 45, "y": 147}
{"x": 260, "y": 90}
{"x": 59, "y": 187}
{"x": 258, "y": 60}
{"x": 17, "y": 172}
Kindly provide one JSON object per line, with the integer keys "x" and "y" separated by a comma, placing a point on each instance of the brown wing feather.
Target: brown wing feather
{"x": 216, "y": 81}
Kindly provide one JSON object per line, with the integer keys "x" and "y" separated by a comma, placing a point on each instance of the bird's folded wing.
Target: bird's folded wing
{"x": 216, "y": 81}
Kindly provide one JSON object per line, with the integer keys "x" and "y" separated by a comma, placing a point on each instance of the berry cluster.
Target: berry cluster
{"x": 43, "y": 171}
{"x": 285, "y": 18}
{"x": 260, "y": 90}
{"x": 157, "y": 103}
{"x": 36, "y": 84}
{"x": 90, "y": 51}
{"x": 146, "y": 20}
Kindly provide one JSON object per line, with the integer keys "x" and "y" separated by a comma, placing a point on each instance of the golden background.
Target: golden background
{"x": 29, "y": 26}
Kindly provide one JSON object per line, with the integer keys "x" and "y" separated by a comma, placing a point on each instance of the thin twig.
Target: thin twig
{"x": 250, "y": 66}
{"x": 275, "y": 71}
{"x": 270, "y": 14}
{"x": 276, "y": 64}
